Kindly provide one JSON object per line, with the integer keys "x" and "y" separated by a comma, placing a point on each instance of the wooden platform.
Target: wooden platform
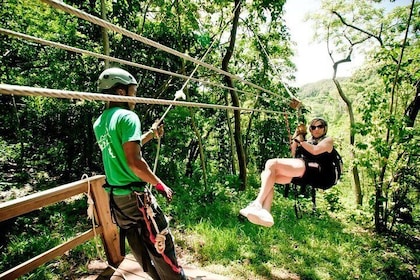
{"x": 133, "y": 271}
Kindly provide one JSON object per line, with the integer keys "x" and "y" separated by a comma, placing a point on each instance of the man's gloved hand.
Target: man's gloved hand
{"x": 157, "y": 128}
{"x": 164, "y": 190}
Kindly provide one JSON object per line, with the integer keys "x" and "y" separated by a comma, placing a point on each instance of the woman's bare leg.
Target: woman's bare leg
{"x": 280, "y": 171}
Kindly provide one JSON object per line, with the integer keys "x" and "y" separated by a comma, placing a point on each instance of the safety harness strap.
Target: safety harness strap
{"x": 145, "y": 204}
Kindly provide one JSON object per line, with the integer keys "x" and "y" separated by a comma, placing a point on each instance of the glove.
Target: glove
{"x": 157, "y": 129}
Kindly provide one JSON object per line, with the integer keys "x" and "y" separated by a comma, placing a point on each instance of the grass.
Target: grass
{"x": 325, "y": 245}
{"x": 336, "y": 242}
{"x": 30, "y": 235}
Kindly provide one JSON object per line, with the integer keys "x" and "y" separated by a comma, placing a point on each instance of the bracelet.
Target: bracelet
{"x": 159, "y": 187}
{"x": 297, "y": 141}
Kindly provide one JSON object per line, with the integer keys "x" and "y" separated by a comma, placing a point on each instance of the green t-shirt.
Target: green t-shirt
{"x": 113, "y": 128}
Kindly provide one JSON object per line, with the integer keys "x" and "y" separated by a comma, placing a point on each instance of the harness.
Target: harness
{"x": 113, "y": 206}
{"x": 156, "y": 224}
{"x": 330, "y": 163}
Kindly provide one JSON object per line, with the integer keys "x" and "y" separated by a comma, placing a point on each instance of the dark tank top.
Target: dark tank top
{"x": 320, "y": 170}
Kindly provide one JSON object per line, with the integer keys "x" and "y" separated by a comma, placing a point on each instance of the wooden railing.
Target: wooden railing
{"x": 105, "y": 228}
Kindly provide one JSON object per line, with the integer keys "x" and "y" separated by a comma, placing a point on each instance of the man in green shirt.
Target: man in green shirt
{"x": 133, "y": 207}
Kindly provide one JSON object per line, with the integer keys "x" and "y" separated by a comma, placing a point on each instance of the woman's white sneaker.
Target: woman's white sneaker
{"x": 252, "y": 207}
{"x": 260, "y": 217}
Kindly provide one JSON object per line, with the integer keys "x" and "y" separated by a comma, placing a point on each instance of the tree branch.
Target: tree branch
{"x": 359, "y": 29}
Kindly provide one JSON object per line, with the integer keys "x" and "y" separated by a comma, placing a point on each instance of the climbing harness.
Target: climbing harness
{"x": 156, "y": 223}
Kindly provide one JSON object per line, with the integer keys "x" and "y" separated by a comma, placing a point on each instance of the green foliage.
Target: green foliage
{"x": 377, "y": 152}
{"x": 333, "y": 199}
{"x": 386, "y": 103}
{"x": 321, "y": 99}
{"x": 46, "y": 141}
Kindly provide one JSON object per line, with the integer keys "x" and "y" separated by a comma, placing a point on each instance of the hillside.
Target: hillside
{"x": 322, "y": 99}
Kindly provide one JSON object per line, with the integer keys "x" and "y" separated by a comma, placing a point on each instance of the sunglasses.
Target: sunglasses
{"x": 313, "y": 127}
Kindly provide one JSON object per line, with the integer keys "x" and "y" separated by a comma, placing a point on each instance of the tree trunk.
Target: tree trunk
{"x": 200, "y": 146}
{"x": 248, "y": 130}
{"x": 192, "y": 156}
{"x": 198, "y": 136}
{"x": 357, "y": 188}
{"x": 235, "y": 100}
{"x": 413, "y": 109}
{"x": 105, "y": 39}
{"x": 231, "y": 138}
{"x": 381, "y": 206}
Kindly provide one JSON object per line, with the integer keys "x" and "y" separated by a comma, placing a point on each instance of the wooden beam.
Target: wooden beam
{"x": 110, "y": 236}
{"x": 39, "y": 260}
{"x": 106, "y": 229}
{"x": 29, "y": 203}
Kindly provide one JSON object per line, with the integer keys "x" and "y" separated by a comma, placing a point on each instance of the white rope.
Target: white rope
{"x": 83, "y": 15}
{"x": 32, "y": 91}
{"x": 160, "y": 237}
{"x": 91, "y": 216}
{"x": 110, "y": 58}
{"x": 274, "y": 67}
{"x": 180, "y": 94}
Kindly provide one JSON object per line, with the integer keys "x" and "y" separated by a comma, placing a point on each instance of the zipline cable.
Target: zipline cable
{"x": 294, "y": 99}
{"x": 105, "y": 57}
{"x": 83, "y": 15}
{"x": 32, "y": 91}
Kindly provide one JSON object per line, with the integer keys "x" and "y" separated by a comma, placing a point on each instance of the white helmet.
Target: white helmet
{"x": 112, "y": 76}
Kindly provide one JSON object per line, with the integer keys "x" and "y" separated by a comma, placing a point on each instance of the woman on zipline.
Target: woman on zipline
{"x": 312, "y": 165}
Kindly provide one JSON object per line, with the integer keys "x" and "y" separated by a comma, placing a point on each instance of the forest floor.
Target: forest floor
{"x": 129, "y": 269}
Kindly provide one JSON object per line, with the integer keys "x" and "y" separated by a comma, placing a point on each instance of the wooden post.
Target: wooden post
{"x": 110, "y": 234}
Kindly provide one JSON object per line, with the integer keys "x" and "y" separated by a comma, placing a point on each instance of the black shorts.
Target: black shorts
{"x": 316, "y": 175}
